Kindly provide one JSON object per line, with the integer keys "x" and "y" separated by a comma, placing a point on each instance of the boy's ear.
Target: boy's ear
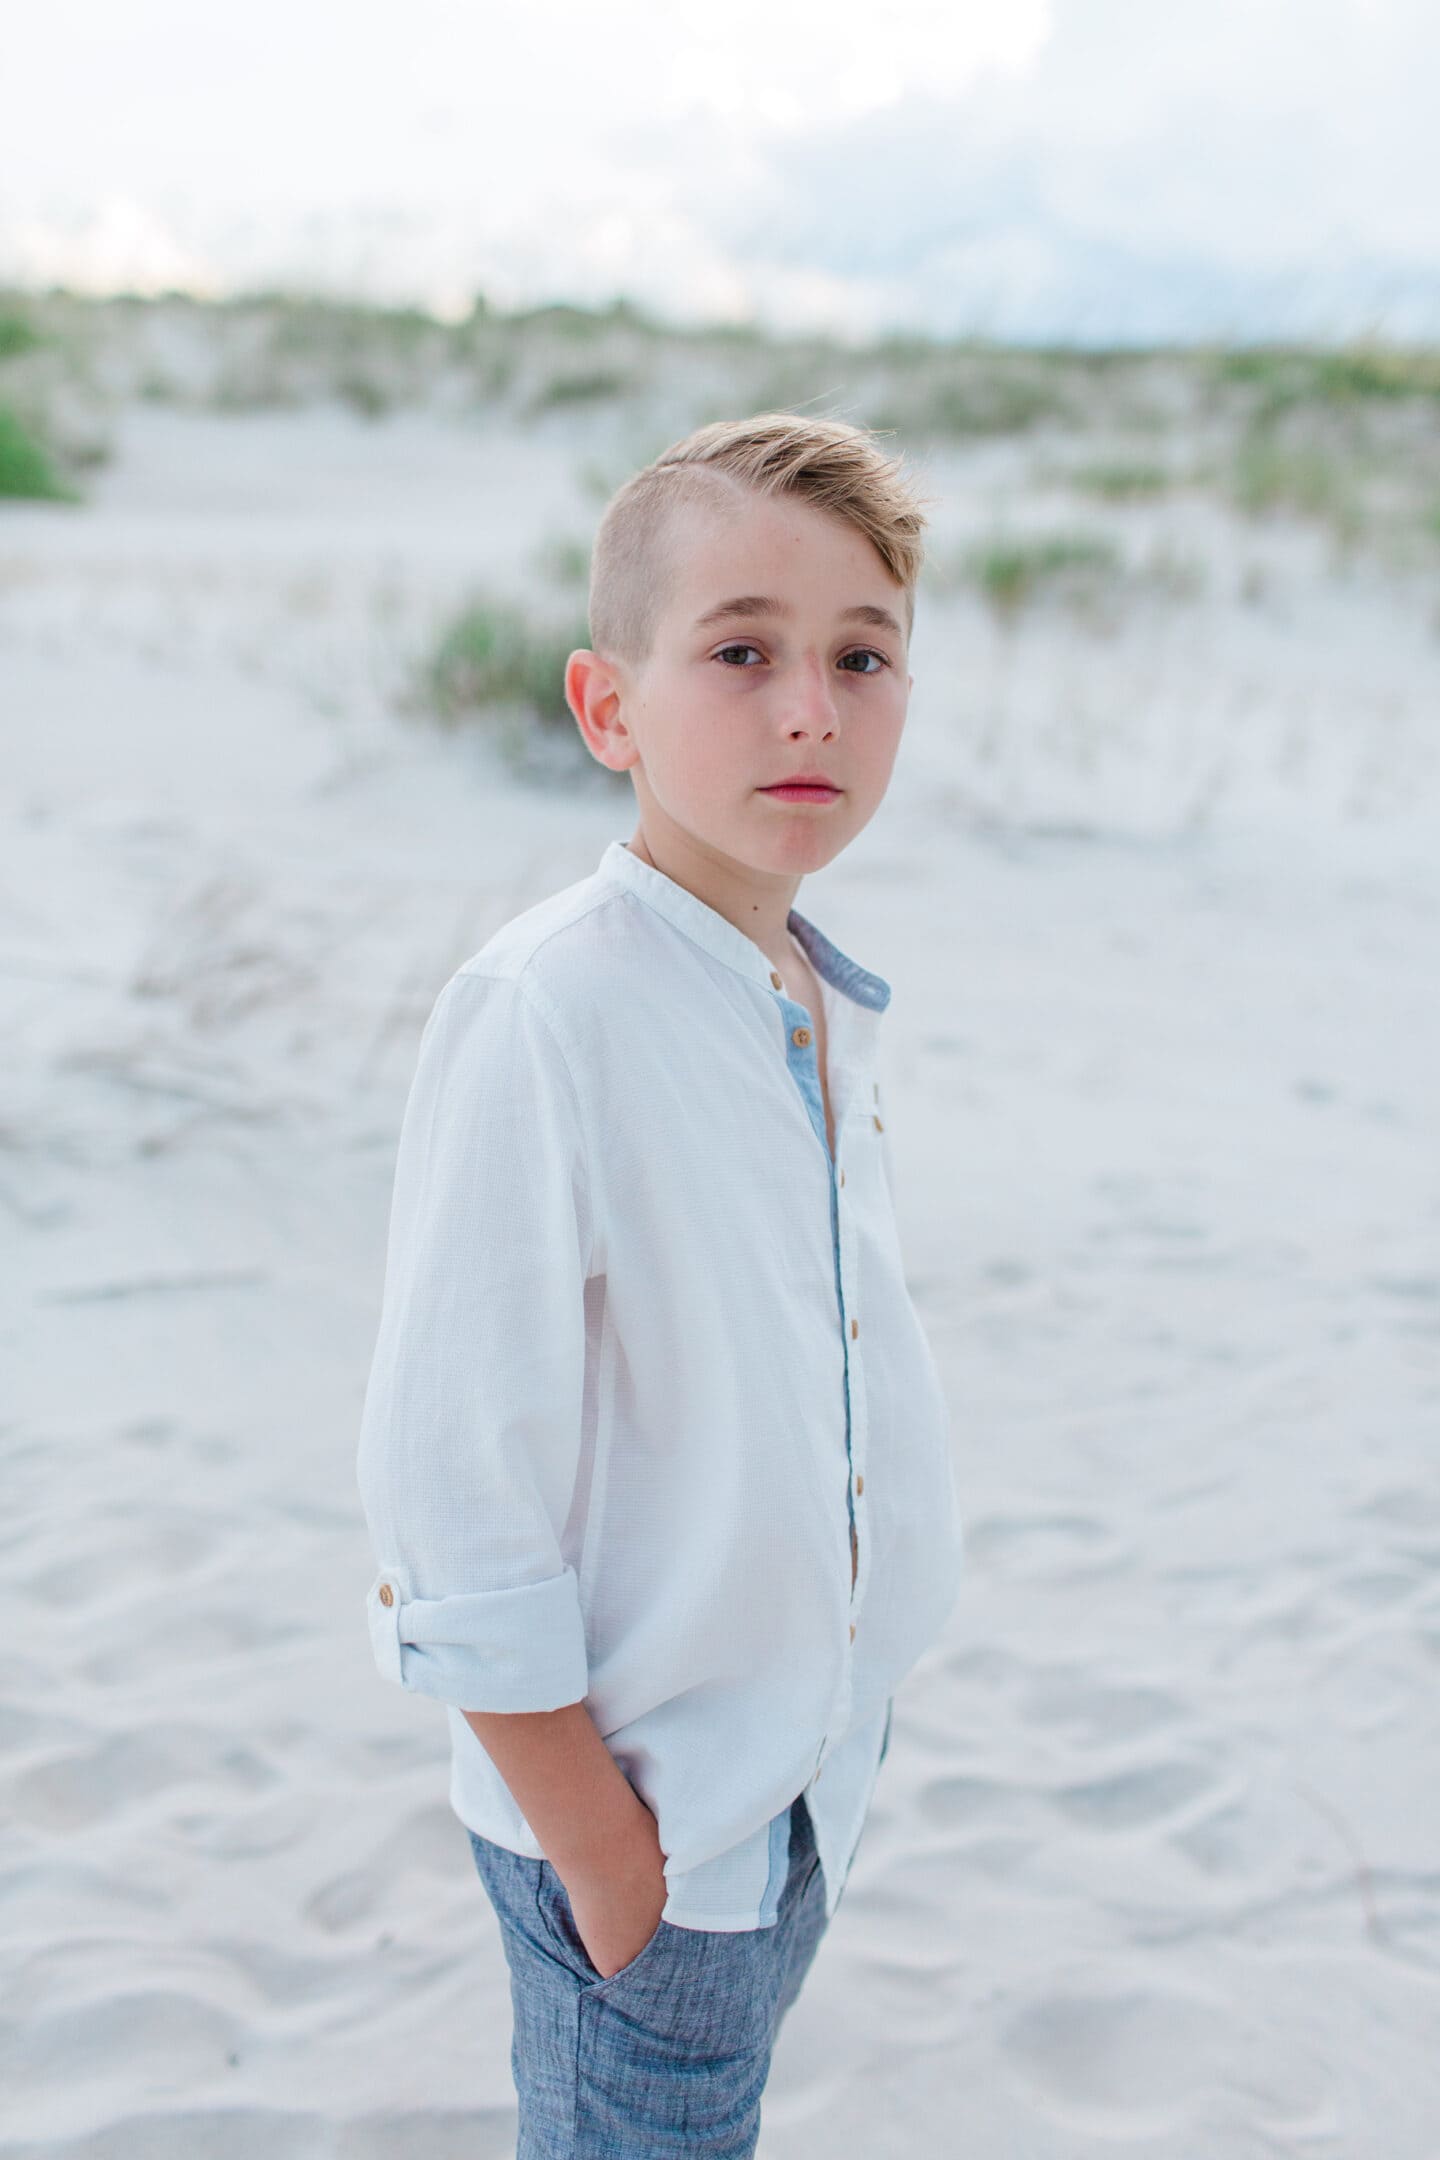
{"x": 588, "y": 682}
{"x": 593, "y": 695}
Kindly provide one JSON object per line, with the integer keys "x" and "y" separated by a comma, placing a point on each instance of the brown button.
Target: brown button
{"x": 859, "y": 1481}
{"x": 842, "y": 1177}
{"x": 387, "y": 1595}
{"x": 854, "y": 1329}
{"x": 775, "y": 978}
{"x": 801, "y": 1035}
{"x": 852, "y": 1631}
{"x": 878, "y": 1126}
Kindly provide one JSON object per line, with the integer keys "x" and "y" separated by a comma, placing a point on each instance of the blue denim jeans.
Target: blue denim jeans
{"x": 670, "y": 2054}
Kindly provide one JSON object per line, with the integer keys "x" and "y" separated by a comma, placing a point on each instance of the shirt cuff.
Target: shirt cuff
{"x": 518, "y": 1649}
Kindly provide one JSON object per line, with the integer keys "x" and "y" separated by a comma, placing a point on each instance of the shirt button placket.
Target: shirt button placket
{"x": 857, "y": 1427}
{"x": 802, "y": 1037}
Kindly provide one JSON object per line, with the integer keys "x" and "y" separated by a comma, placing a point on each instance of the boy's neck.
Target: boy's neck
{"x": 749, "y": 916}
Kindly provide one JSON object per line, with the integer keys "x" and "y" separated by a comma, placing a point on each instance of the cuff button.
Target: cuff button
{"x": 387, "y": 1595}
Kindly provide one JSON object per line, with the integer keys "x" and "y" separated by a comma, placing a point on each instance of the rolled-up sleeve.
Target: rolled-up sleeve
{"x": 471, "y": 1429}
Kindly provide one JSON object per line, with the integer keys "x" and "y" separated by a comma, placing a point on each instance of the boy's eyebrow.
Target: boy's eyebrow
{"x": 753, "y": 604}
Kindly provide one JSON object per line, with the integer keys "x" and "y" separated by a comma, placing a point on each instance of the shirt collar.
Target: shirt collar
{"x": 719, "y": 936}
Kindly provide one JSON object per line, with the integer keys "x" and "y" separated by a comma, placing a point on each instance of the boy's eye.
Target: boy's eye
{"x": 866, "y": 652}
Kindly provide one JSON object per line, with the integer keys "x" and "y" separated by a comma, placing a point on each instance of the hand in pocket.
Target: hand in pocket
{"x": 617, "y": 1908}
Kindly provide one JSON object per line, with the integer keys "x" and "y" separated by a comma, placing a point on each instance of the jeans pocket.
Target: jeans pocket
{"x": 559, "y": 1920}
{"x": 507, "y": 1876}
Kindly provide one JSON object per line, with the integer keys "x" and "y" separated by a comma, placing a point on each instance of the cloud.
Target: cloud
{"x": 1039, "y": 168}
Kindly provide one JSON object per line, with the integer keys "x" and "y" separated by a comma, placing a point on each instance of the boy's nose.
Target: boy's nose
{"x": 811, "y": 690}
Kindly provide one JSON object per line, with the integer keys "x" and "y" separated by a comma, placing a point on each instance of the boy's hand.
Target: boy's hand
{"x": 617, "y": 1907}
{"x": 593, "y": 1827}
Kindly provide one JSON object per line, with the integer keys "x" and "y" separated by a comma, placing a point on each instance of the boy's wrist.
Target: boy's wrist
{"x": 612, "y": 1837}
{"x": 587, "y": 1817}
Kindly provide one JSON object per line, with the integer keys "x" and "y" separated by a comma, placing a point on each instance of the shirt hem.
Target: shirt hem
{"x": 722, "y": 1923}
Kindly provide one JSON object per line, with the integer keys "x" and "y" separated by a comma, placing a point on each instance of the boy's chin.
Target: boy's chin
{"x": 793, "y": 844}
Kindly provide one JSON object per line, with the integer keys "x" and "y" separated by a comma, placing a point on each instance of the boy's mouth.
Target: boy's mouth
{"x": 803, "y": 790}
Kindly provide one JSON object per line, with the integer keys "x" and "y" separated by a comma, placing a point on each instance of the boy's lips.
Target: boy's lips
{"x": 813, "y": 790}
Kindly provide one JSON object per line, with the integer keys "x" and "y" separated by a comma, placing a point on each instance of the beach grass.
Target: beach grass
{"x": 583, "y": 386}
{"x": 18, "y": 333}
{"x": 27, "y": 469}
{"x": 1267, "y": 475}
{"x": 564, "y": 561}
{"x": 1121, "y": 480}
{"x": 1011, "y": 572}
{"x": 1287, "y": 376}
{"x": 493, "y": 653}
{"x": 501, "y": 667}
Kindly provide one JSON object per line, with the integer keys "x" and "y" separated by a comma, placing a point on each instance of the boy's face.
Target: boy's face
{"x": 724, "y": 708}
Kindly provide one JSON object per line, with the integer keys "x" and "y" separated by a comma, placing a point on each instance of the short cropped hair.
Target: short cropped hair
{"x": 828, "y": 463}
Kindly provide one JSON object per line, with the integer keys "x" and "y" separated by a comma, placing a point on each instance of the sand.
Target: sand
{"x": 1153, "y": 1866}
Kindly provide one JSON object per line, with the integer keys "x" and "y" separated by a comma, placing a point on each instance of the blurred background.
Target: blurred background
{"x": 324, "y": 338}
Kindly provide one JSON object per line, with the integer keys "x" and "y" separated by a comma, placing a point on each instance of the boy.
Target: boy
{"x": 654, "y": 1453}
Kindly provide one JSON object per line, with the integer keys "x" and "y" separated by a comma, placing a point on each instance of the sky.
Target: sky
{"x": 1104, "y": 171}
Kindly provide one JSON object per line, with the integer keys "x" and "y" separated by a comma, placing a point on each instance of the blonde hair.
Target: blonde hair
{"x": 829, "y": 463}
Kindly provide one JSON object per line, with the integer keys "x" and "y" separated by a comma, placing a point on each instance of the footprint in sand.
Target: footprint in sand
{"x": 1092, "y": 1712}
{"x": 1135, "y": 1798}
{"x": 428, "y": 1839}
{"x": 95, "y": 1783}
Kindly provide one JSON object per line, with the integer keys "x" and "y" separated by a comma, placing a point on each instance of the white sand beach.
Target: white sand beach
{"x": 1153, "y": 1867}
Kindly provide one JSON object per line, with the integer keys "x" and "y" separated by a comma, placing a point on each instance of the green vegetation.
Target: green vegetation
{"x": 580, "y": 325}
{"x": 1004, "y": 402}
{"x": 1290, "y": 375}
{"x": 26, "y": 468}
{"x": 905, "y": 348}
{"x": 1267, "y": 475}
{"x": 301, "y": 323}
{"x": 585, "y": 387}
{"x": 364, "y": 395}
{"x": 1004, "y": 395}
{"x": 1083, "y": 570}
{"x": 1012, "y": 572}
{"x": 1096, "y": 359}
{"x": 493, "y": 654}
{"x": 17, "y": 334}
{"x": 495, "y": 664}
{"x": 564, "y": 562}
{"x": 1121, "y": 482}
{"x": 1343, "y": 438}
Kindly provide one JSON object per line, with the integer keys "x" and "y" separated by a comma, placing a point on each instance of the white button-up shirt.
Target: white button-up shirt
{"x": 646, "y": 1354}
